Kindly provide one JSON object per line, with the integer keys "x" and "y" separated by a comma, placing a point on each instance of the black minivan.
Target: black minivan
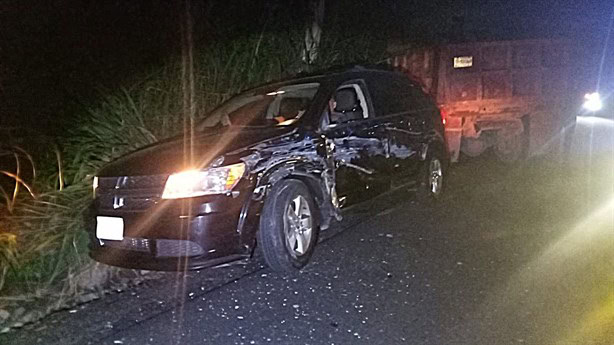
{"x": 270, "y": 168}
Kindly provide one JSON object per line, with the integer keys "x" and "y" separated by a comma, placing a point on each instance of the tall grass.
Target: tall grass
{"x": 42, "y": 238}
{"x": 49, "y": 242}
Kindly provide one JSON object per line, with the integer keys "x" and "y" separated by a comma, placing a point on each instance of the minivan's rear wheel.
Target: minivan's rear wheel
{"x": 433, "y": 178}
{"x": 289, "y": 226}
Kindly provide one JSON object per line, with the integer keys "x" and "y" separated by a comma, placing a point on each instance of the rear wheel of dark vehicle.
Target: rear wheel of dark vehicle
{"x": 289, "y": 226}
{"x": 433, "y": 178}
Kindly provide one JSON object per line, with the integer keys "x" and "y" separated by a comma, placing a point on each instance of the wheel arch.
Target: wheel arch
{"x": 307, "y": 172}
{"x": 439, "y": 147}
{"x": 309, "y": 178}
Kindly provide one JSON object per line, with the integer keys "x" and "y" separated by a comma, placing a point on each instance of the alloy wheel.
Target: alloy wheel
{"x": 298, "y": 226}
{"x": 435, "y": 177}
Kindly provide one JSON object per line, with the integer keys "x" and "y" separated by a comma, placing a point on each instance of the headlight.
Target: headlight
{"x": 592, "y": 102}
{"x": 193, "y": 183}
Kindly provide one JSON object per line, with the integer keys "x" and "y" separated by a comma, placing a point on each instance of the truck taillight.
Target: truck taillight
{"x": 444, "y": 115}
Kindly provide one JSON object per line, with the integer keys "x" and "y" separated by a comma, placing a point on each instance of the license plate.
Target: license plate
{"x": 110, "y": 228}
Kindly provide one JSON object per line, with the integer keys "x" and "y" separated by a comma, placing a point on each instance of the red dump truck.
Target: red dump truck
{"x": 511, "y": 96}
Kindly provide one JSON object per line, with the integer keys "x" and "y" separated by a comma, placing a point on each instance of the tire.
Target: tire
{"x": 289, "y": 226}
{"x": 513, "y": 149}
{"x": 510, "y": 150}
{"x": 432, "y": 178}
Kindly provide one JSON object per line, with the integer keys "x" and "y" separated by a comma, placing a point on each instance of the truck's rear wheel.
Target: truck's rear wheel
{"x": 512, "y": 148}
{"x": 509, "y": 149}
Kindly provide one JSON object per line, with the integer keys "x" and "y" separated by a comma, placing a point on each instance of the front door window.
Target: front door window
{"x": 347, "y": 104}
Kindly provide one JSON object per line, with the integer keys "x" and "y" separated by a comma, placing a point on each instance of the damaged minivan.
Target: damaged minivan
{"x": 268, "y": 170}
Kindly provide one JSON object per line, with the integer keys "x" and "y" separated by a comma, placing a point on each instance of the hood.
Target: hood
{"x": 168, "y": 156}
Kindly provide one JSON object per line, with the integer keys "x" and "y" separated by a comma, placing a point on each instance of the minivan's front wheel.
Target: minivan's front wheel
{"x": 433, "y": 178}
{"x": 289, "y": 226}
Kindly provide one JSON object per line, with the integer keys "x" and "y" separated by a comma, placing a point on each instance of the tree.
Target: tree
{"x": 313, "y": 32}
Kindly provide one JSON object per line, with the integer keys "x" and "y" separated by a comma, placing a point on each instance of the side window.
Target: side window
{"x": 396, "y": 94}
{"x": 422, "y": 105}
{"x": 387, "y": 98}
{"x": 414, "y": 99}
{"x": 348, "y": 103}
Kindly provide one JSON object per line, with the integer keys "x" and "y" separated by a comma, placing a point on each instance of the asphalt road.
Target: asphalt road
{"x": 512, "y": 255}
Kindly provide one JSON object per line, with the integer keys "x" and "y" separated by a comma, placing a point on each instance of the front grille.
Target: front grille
{"x": 178, "y": 248}
{"x": 129, "y": 243}
{"x": 132, "y": 182}
{"x": 129, "y": 193}
{"x": 126, "y": 203}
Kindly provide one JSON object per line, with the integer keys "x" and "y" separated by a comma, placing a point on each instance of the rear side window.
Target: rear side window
{"x": 415, "y": 99}
{"x": 421, "y": 102}
{"x": 386, "y": 96}
{"x": 396, "y": 95}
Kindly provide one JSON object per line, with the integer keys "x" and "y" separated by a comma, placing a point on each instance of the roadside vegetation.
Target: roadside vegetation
{"x": 43, "y": 246}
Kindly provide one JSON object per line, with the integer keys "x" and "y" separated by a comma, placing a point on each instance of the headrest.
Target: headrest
{"x": 291, "y": 105}
{"x": 346, "y": 99}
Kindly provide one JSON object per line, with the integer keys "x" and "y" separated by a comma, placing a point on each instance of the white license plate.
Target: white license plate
{"x": 110, "y": 228}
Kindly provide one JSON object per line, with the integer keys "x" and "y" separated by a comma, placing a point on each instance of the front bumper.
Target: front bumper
{"x": 175, "y": 234}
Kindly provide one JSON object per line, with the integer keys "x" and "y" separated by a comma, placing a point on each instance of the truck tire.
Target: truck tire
{"x": 289, "y": 226}
{"x": 510, "y": 149}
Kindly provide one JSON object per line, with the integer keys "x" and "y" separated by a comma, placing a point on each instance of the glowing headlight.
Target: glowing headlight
{"x": 193, "y": 183}
{"x": 592, "y": 102}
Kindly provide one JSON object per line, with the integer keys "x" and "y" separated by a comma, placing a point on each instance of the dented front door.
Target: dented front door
{"x": 360, "y": 158}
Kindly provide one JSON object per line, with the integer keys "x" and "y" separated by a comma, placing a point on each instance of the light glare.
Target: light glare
{"x": 94, "y": 185}
{"x": 592, "y": 102}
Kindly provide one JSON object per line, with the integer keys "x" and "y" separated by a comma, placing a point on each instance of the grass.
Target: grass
{"x": 49, "y": 240}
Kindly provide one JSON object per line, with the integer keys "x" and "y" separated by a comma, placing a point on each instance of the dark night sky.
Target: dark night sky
{"x": 55, "y": 53}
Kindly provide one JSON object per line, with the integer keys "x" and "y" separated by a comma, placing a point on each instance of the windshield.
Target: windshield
{"x": 274, "y": 107}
